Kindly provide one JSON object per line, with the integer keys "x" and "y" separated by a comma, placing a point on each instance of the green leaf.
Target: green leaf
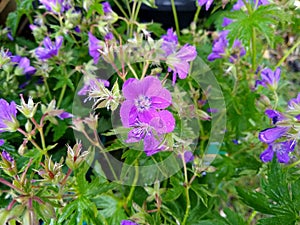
{"x": 295, "y": 188}
{"x": 68, "y": 210}
{"x": 233, "y": 217}
{"x": 277, "y": 187}
{"x": 210, "y": 222}
{"x": 200, "y": 192}
{"x": 59, "y": 130}
{"x": 278, "y": 220}
{"x": 95, "y": 7}
{"x": 107, "y": 204}
{"x": 256, "y": 200}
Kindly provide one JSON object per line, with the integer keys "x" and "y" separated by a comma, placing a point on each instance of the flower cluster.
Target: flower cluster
{"x": 283, "y": 137}
{"x": 144, "y": 111}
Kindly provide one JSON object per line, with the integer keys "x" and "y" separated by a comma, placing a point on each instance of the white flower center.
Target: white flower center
{"x": 142, "y": 103}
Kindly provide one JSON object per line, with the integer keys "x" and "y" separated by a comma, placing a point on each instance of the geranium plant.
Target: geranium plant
{"x": 108, "y": 119}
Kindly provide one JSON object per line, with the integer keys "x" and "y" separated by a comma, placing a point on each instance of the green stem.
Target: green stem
{"x": 48, "y": 89}
{"x": 253, "y": 214}
{"x": 175, "y": 18}
{"x": 253, "y": 42}
{"x": 131, "y": 21}
{"x": 121, "y": 8}
{"x": 62, "y": 93}
{"x": 197, "y": 14}
{"x": 30, "y": 139}
{"x": 187, "y": 187}
{"x": 276, "y": 99}
{"x": 133, "y": 71}
{"x": 145, "y": 69}
{"x": 293, "y": 164}
{"x": 287, "y": 54}
{"x": 137, "y": 11}
{"x": 135, "y": 180}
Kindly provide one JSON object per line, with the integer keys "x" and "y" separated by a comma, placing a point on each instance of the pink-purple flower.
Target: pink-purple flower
{"x": 144, "y": 111}
{"x": 178, "y": 62}
{"x": 207, "y": 3}
{"x": 170, "y": 42}
{"x": 8, "y": 113}
{"x": 50, "y": 49}
{"x": 143, "y": 100}
{"x": 269, "y": 79}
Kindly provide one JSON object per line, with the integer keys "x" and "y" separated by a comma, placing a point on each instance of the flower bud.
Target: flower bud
{"x": 8, "y": 164}
{"x": 75, "y": 157}
{"x": 92, "y": 121}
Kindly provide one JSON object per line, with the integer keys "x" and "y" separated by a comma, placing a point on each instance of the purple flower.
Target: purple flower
{"x": 94, "y": 47}
{"x": 91, "y": 84}
{"x": 170, "y": 42}
{"x": 2, "y": 142}
{"x": 23, "y": 66}
{"x": 56, "y": 6}
{"x": 64, "y": 115}
{"x": 152, "y": 132}
{"x": 109, "y": 36}
{"x": 282, "y": 150}
{"x": 50, "y": 49}
{"x": 207, "y": 2}
{"x": 127, "y": 222}
{"x": 269, "y": 135}
{"x": 77, "y": 29}
{"x": 188, "y": 156}
{"x": 275, "y": 115}
{"x": 6, "y": 156}
{"x": 143, "y": 99}
{"x": 106, "y": 7}
{"x": 9, "y": 36}
{"x": 219, "y": 46}
{"x": 270, "y": 79}
{"x": 294, "y": 103}
{"x": 226, "y": 22}
{"x": 239, "y": 4}
{"x": 8, "y": 113}
{"x": 33, "y": 27}
{"x": 237, "y": 51}
{"x": 170, "y": 36}
{"x": 143, "y": 111}
{"x": 179, "y": 61}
